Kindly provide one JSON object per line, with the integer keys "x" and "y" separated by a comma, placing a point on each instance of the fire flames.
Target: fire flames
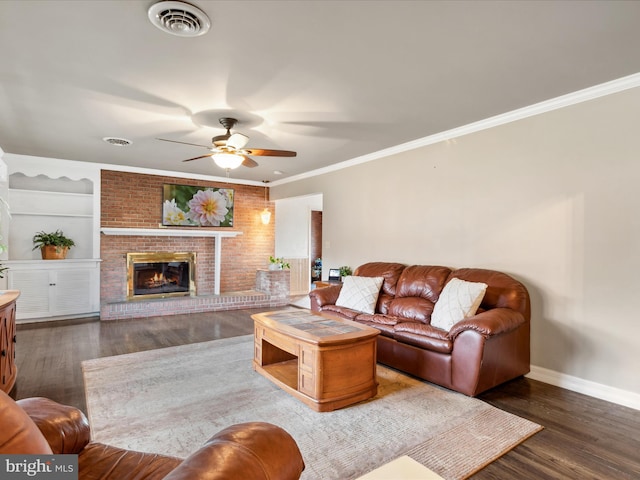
{"x": 159, "y": 280}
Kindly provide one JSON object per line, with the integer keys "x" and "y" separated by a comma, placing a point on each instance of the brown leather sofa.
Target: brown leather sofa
{"x": 477, "y": 354}
{"x": 249, "y": 450}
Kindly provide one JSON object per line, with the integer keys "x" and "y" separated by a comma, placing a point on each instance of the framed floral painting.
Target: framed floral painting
{"x": 188, "y": 206}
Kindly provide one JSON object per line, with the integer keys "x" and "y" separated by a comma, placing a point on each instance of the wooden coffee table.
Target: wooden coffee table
{"x": 326, "y": 362}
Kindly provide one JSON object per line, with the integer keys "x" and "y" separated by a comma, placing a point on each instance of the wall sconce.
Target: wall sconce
{"x": 265, "y": 216}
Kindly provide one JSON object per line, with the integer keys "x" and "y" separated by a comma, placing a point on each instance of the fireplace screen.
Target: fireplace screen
{"x": 160, "y": 274}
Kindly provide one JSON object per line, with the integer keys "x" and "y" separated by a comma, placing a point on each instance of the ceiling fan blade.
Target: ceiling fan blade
{"x": 198, "y": 158}
{"x": 249, "y": 162}
{"x": 237, "y": 141}
{"x": 184, "y": 143}
{"x": 261, "y": 152}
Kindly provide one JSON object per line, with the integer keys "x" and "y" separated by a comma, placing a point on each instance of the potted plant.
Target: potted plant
{"x": 276, "y": 263}
{"x": 345, "y": 271}
{"x": 53, "y": 246}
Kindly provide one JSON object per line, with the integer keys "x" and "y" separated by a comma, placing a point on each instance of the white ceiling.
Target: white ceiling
{"x": 332, "y": 80}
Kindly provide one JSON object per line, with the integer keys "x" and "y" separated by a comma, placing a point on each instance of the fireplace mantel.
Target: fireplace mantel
{"x": 170, "y": 232}
{"x": 181, "y": 232}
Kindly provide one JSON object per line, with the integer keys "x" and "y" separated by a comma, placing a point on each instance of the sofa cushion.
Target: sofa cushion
{"x": 411, "y": 308}
{"x": 417, "y": 291}
{"x": 503, "y": 291}
{"x": 384, "y": 300}
{"x": 386, "y": 330}
{"x": 342, "y": 312}
{"x": 459, "y": 300}
{"x": 360, "y": 293}
{"x": 424, "y": 281}
{"x": 378, "y": 318}
{"x": 423, "y": 336}
{"x": 388, "y": 270}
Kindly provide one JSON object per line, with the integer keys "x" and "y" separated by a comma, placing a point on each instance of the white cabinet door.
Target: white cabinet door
{"x": 72, "y": 291}
{"x": 53, "y": 288}
{"x": 34, "y": 289}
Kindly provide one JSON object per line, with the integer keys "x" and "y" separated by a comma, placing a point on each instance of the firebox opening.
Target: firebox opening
{"x": 160, "y": 274}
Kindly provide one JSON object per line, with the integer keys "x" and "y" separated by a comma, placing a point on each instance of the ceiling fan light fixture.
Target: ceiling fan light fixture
{"x": 228, "y": 161}
{"x": 179, "y": 18}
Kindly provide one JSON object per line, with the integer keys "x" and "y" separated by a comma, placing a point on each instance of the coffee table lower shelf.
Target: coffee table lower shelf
{"x": 285, "y": 376}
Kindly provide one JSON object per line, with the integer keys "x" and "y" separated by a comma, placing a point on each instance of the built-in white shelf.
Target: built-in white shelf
{"x": 34, "y": 210}
{"x": 27, "y": 191}
{"x": 50, "y": 263}
{"x": 38, "y": 214}
{"x": 47, "y": 194}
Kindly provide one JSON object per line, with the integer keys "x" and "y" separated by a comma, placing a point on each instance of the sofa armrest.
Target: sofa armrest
{"x": 255, "y": 450}
{"x": 490, "y": 322}
{"x": 324, "y": 296}
{"x": 66, "y": 428}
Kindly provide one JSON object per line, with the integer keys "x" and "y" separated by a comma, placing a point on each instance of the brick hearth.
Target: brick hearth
{"x": 182, "y": 305}
{"x": 272, "y": 292}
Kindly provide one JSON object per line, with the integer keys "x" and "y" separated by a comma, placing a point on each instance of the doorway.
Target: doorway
{"x": 299, "y": 237}
{"x": 315, "y": 245}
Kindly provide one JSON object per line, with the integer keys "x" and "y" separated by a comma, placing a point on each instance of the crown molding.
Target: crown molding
{"x": 580, "y": 96}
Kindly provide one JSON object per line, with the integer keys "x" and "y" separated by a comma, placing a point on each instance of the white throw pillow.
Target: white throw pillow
{"x": 459, "y": 299}
{"x": 360, "y": 293}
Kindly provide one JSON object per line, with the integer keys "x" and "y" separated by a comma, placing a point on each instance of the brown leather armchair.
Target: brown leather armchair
{"x": 250, "y": 450}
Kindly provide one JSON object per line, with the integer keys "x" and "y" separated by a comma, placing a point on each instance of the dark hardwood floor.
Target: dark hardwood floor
{"x": 583, "y": 437}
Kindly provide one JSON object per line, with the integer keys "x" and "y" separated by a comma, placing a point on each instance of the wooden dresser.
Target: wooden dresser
{"x": 8, "y": 370}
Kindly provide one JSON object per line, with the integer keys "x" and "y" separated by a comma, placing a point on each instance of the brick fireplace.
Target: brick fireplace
{"x": 114, "y": 267}
{"x": 134, "y": 201}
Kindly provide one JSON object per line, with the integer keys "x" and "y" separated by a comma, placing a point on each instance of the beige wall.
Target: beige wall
{"x": 551, "y": 199}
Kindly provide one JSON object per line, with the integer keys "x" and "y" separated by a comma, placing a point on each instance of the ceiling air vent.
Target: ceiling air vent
{"x": 118, "y": 142}
{"x": 179, "y": 18}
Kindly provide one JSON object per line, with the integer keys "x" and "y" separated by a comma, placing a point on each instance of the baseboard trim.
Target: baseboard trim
{"x": 586, "y": 387}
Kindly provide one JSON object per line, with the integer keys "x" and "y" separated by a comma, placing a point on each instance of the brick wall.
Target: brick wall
{"x": 274, "y": 282}
{"x": 132, "y": 200}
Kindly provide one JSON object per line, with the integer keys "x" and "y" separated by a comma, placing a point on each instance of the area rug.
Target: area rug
{"x": 173, "y": 399}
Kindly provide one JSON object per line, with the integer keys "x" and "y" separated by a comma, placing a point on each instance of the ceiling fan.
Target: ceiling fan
{"x": 228, "y": 150}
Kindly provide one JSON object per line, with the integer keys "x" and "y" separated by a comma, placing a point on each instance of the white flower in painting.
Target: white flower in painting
{"x": 228, "y": 196}
{"x": 208, "y": 208}
{"x": 172, "y": 215}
